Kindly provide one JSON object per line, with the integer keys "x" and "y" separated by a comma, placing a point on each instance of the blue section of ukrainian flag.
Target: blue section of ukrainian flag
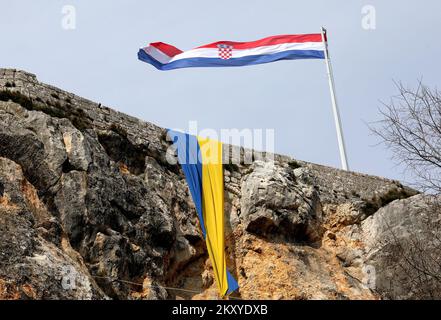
{"x": 187, "y": 148}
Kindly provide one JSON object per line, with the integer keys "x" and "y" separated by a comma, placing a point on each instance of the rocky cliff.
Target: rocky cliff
{"x": 91, "y": 209}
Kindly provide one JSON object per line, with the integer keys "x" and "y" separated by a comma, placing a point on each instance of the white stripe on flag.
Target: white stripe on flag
{"x": 157, "y": 54}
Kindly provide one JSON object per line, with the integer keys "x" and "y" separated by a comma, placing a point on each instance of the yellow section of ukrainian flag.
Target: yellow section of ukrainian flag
{"x": 213, "y": 208}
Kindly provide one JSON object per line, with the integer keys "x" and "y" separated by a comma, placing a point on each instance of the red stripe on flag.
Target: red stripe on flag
{"x": 166, "y": 48}
{"x": 268, "y": 41}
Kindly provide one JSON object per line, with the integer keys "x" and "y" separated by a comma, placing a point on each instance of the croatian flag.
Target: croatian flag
{"x": 234, "y": 54}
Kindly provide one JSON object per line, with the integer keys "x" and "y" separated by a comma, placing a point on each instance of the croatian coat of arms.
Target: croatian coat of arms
{"x": 225, "y": 51}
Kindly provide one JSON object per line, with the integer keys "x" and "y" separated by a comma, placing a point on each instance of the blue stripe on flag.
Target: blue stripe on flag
{"x": 232, "y": 283}
{"x": 187, "y": 148}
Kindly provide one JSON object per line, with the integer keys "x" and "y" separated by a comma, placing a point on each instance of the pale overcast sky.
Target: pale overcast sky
{"x": 98, "y": 60}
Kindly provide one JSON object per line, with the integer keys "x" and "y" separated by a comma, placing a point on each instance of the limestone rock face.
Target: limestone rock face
{"x": 36, "y": 259}
{"x": 90, "y": 208}
{"x": 274, "y": 201}
{"x": 403, "y": 247}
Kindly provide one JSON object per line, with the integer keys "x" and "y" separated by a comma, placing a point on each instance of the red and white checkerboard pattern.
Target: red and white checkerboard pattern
{"x": 225, "y": 51}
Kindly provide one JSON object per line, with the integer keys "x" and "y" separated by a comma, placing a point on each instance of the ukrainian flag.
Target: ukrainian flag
{"x": 201, "y": 161}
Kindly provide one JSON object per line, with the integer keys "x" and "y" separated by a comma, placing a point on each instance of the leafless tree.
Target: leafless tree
{"x": 411, "y": 129}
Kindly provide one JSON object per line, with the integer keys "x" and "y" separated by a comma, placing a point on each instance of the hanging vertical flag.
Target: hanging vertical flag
{"x": 201, "y": 161}
{"x": 233, "y": 54}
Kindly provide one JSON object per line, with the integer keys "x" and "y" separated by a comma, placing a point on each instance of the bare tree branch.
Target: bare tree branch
{"x": 411, "y": 129}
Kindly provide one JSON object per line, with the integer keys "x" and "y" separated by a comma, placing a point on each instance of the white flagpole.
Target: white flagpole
{"x": 341, "y": 142}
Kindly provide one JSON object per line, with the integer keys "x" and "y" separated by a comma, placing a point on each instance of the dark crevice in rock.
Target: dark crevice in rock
{"x": 67, "y": 167}
{"x": 193, "y": 239}
{"x": 10, "y": 84}
{"x": 231, "y": 167}
{"x": 17, "y": 97}
{"x": 294, "y": 164}
{"x": 118, "y": 130}
{"x": 161, "y": 238}
{"x": 266, "y": 228}
{"x": 373, "y": 205}
{"x": 76, "y": 233}
{"x": 121, "y": 150}
{"x": 127, "y": 213}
